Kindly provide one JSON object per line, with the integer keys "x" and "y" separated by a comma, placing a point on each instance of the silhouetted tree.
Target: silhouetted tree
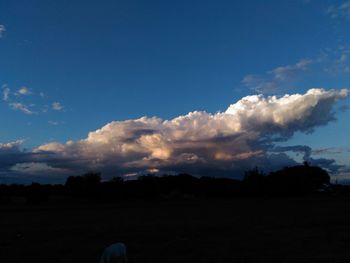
{"x": 85, "y": 185}
{"x": 86, "y": 180}
{"x": 254, "y": 181}
{"x": 298, "y": 179}
{"x": 92, "y": 179}
{"x": 116, "y": 180}
{"x": 253, "y": 175}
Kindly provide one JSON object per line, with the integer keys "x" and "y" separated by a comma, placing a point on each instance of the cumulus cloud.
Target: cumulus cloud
{"x": 11, "y": 153}
{"x": 198, "y": 142}
{"x": 2, "y": 30}
{"x": 224, "y": 143}
{"x": 275, "y": 78}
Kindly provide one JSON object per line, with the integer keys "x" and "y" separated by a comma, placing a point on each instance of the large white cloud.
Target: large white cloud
{"x": 197, "y": 142}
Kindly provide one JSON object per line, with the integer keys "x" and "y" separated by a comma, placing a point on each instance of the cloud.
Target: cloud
{"x": 259, "y": 84}
{"x": 21, "y": 107}
{"x": 329, "y": 150}
{"x": 344, "y": 108}
{"x": 304, "y": 149}
{"x": 5, "y": 93}
{"x": 225, "y": 143}
{"x": 23, "y": 91}
{"x": 11, "y": 147}
{"x": 15, "y": 105}
{"x": 329, "y": 164}
{"x": 37, "y": 169}
{"x": 277, "y": 77}
{"x": 54, "y": 123}
{"x": 22, "y": 100}
{"x": 339, "y": 11}
{"x": 2, "y": 30}
{"x": 336, "y": 61}
{"x": 330, "y": 61}
{"x": 57, "y": 106}
{"x": 222, "y": 143}
{"x": 284, "y": 73}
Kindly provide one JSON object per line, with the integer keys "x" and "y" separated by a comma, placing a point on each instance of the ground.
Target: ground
{"x": 308, "y": 229}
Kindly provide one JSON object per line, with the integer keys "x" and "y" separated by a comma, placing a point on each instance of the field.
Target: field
{"x": 310, "y": 229}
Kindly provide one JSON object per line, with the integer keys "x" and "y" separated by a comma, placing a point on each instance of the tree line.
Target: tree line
{"x": 296, "y": 180}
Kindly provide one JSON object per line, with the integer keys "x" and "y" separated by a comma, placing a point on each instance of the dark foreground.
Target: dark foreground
{"x": 303, "y": 229}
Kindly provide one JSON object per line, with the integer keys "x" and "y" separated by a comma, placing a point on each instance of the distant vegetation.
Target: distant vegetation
{"x": 296, "y": 180}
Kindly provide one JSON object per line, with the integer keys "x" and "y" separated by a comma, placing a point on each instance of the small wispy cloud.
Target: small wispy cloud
{"x": 259, "y": 84}
{"x": 339, "y": 11}
{"x": 27, "y": 101}
{"x": 284, "y": 73}
{"x": 54, "y": 123}
{"x": 329, "y": 61}
{"x": 35, "y": 168}
{"x": 15, "y": 105}
{"x": 336, "y": 61}
{"x": 23, "y": 91}
{"x": 329, "y": 150}
{"x": 275, "y": 78}
{"x": 21, "y": 107}
{"x": 5, "y": 93}
{"x": 2, "y": 30}
{"x": 57, "y": 106}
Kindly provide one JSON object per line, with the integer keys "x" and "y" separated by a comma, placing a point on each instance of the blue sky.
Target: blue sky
{"x": 84, "y": 64}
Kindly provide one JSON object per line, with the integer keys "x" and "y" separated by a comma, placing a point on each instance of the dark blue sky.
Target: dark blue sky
{"x": 87, "y": 63}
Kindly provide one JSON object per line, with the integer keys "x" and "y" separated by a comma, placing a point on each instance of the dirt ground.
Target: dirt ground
{"x": 313, "y": 229}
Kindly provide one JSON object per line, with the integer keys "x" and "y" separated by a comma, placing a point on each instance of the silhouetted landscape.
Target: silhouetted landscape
{"x": 289, "y": 181}
{"x": 160, "y": 131}
{"x": 291, "y": 215}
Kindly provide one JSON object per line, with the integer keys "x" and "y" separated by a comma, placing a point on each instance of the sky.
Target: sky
{"x": 206, "y": 87}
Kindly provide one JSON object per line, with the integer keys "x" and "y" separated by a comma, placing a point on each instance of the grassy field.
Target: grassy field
{"x": 313, "y": 229}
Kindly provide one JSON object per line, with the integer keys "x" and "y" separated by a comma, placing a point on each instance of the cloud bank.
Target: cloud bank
{"x": 224, "y": 143}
